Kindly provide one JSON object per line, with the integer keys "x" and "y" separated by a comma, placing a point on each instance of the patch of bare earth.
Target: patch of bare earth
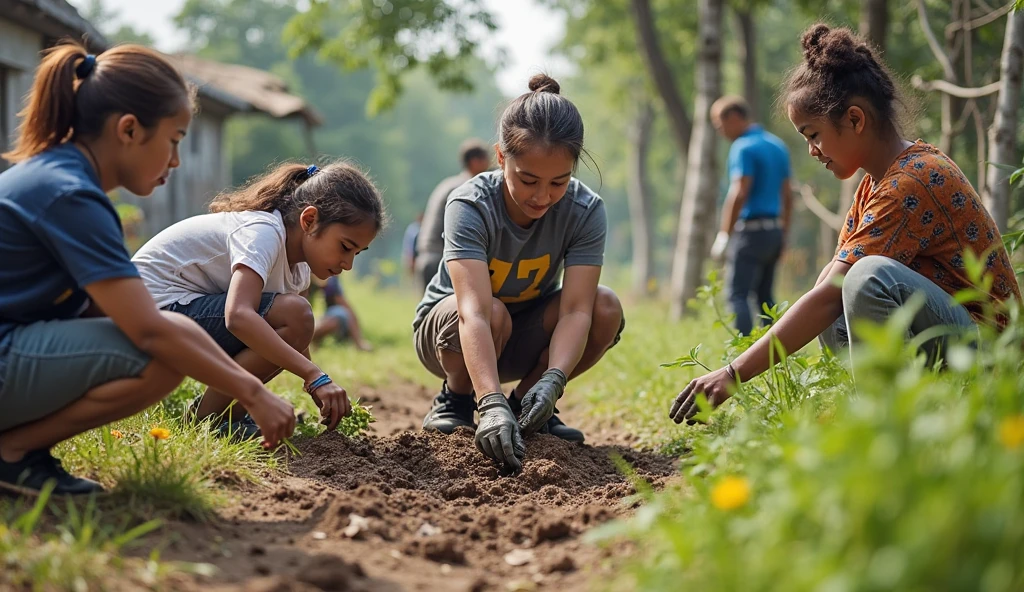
{"x": 408, "y": 510}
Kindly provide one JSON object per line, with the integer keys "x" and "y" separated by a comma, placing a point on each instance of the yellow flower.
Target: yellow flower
{"x": 116, "y": 434}
{"x": 731, "y": 493}
{"x": 1011, "y": 431}
{"x": 160, "y": 433}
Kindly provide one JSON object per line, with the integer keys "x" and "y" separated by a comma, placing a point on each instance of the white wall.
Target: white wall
{"x": 19, "y": 55}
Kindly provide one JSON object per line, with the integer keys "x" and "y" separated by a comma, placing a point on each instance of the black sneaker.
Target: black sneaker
{"x": 30, "y": 474}
{"x": 450, "y": 411}
{"x": 554, "y": 426}
{"x": 240, "y": 429}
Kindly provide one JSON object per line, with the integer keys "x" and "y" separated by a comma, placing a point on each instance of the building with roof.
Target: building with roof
{"x": 27, "y": 27}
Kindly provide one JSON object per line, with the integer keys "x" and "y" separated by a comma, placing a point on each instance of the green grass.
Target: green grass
{"x": 911, "y": 481}
{"x": 189, "y": 474}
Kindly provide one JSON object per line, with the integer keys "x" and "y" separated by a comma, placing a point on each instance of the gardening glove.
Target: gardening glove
{"x": 497, "y": 434}
{"x": 539, "y": 402}
{"x": 721, "y": 242}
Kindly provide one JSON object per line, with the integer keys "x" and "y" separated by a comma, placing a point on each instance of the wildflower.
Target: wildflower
{"x": 1011, "y": 431}
{"x": 731, "y": 493}
{"x": 116, "y": 434}
{"x": 160, "y": 433}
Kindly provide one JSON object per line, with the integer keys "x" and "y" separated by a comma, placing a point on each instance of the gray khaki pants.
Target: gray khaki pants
{"x": 876, "y": 286}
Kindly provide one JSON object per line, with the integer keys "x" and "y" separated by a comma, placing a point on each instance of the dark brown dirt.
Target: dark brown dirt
{"x": 417, "y": 511}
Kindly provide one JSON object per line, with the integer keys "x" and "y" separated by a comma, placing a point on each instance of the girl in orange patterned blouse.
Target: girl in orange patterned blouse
{"x": 914, "y": 219}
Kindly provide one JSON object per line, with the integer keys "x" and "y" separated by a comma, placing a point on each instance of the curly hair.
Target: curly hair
{"x": 838, "y": 68}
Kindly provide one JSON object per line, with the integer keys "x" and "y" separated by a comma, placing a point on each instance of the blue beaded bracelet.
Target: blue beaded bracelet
{"x": 319, "y": 382}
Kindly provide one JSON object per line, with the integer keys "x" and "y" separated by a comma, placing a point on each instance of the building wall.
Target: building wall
{"x": 204, "y": 172}
{"x": 205, "y": 168}
{"x": 19, "y": 56}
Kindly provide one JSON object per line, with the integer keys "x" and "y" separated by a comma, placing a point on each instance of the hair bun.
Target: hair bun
{"x": 834, "y": 50}
{"x": 812, "y": 42}
{"x": 544, "y": 83}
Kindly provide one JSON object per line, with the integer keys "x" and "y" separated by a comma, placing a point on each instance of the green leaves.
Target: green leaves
{"x": 393, "y": 38}
{"x": 687, "y": 361}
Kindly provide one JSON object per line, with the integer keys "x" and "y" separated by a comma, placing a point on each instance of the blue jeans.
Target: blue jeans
{"x": 876, "y": 286}
{"x": 208, "y": 313}
{"x": 750, "y": 273}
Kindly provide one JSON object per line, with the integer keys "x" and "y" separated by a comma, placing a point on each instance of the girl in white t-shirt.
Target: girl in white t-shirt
{"x": 239, "y": 272}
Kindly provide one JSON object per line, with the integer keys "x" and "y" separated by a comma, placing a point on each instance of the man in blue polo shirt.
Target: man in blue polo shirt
{"x": 756, "y": 213}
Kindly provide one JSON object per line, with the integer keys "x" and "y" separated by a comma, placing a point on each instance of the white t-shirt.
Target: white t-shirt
{"x": 197, "y": 256}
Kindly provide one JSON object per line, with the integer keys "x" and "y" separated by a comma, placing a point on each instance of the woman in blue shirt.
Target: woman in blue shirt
{"x": 81, "y": 341}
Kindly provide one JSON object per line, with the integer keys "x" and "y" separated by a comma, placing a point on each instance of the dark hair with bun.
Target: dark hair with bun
{"x": 541, "y": 117}
{"x": 838, "y": 67}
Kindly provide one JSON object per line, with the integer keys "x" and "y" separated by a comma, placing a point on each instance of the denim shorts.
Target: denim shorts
{"x": 208, "y": 313}
{"x": 52, "y": 364}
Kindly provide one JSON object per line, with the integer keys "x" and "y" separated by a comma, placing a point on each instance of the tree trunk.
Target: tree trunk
{"x": 696, "y": 221}
{"x": 1002, "y": 136}
{"x": 661, "y": 74}
{"x": 748, "y": 57}
{"x": 874, "y": 22}
{"x": 638, "y": 195}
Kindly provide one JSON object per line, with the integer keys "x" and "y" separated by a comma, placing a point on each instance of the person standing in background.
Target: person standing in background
{"x": 409, "y": 250}
{"x": 475, "y": 159}
{"x": 757, "y": 210}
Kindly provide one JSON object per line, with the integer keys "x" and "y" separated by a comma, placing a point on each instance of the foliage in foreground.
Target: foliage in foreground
{"x": 909, "y": 479}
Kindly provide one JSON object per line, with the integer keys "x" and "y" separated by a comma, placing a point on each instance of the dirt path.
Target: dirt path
{"x": 407, "y": 510}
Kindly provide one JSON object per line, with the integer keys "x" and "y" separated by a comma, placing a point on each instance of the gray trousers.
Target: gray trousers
{"x": 876, "y": 286}
{"x": 750, "y": 274}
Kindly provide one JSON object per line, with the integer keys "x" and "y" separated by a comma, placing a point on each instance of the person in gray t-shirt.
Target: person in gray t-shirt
{"x": 517, "y": 295}
{"x": 430, "y": 242}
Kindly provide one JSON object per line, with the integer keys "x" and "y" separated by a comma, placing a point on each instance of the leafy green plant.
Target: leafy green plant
{"x": 911, "y": 482}
{"x": 352, "y": 425}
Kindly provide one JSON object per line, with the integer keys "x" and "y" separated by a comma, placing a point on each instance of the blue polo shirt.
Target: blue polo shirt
{"x": 58, "y": 233}
{"x": 764, "y": 158}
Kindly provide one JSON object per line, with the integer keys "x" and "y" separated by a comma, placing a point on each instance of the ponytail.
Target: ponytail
{"x": 50, "y": 107}
{"x": 265, "y": 193}
{"x": 74, "y": 93}
{"x": 340, "y": 192}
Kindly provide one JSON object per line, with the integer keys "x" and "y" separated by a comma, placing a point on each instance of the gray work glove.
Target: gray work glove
{"x": 497, "y": 434}
{"x": 539, "y": 402}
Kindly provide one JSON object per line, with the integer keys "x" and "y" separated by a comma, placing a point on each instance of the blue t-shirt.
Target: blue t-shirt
{"x": 58, "y": 233}
{"x": 764, "y": 158}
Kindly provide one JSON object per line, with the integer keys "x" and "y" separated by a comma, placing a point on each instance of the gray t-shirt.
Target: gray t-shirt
{"x": 430, "y": 243}
{"x": 525, "y": 263}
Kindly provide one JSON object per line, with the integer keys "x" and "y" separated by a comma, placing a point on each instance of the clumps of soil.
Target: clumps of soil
{"x": 321, "y": 572}
{"x": 437, "y": 497}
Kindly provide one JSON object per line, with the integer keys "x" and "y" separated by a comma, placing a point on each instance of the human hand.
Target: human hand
{"x": 333, "y": 403}
{"x": 497, "y": 434}
{"x": 274, "y": 416}
{"x": 721, "y": 243}
{"x": 539, "y": 402}
{"x": 715, "y": 386}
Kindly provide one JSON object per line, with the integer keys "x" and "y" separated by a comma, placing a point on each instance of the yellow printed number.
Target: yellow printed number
{"x": 500, "y": 271}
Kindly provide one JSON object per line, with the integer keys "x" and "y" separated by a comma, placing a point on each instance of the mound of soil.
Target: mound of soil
{"x": 408, "y": 510}
{"x": 438, "y": 497}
